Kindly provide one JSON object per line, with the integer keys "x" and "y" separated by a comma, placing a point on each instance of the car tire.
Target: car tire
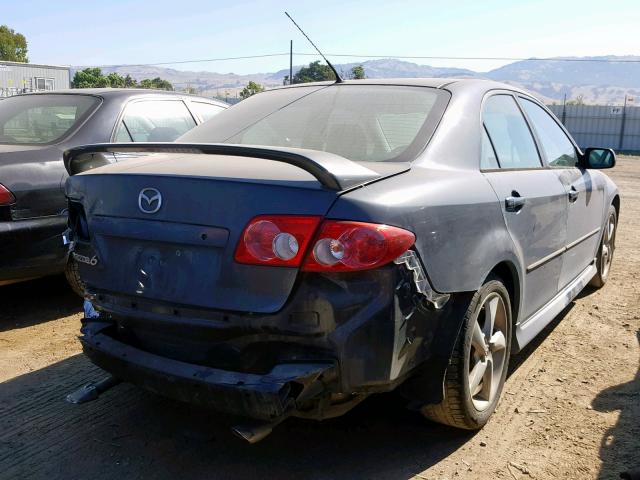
{"x": 606, "y": 249}
{"x": 73, "y": 277}
{"x": 477, "y": 368}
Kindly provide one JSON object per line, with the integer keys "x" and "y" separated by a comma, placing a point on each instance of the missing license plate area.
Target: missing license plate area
{"x": 166, "y": 271}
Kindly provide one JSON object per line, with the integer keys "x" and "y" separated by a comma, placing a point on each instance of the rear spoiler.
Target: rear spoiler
{"x": 332, "y": 171}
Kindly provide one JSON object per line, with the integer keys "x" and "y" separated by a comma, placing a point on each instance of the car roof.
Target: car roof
{"x": 450, "y": 83}
{"x": 125, "y": 93}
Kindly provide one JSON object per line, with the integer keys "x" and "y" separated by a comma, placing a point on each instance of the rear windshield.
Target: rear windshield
{"x": 42, "y": 119}
{"x": 359, "y": 122}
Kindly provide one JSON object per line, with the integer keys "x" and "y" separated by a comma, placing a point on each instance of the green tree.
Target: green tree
{"x": 115, "y": 80}
{"x": 156, "y": 83}
{"x": 251, "y": 89}
{"x": 315, "y": 72}
{"x": 357, "y": 73}
{"x": 13, "y": 45}
{"x": 87, "y": 78}
{"x": 130, "y": 82}
{"x": 93, "y": 77}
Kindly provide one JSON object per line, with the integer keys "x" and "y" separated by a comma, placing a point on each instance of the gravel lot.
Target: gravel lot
{"x": 571, "y": 407}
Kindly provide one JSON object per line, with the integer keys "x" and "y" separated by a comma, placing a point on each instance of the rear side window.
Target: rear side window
{"x": 43, "y": 119}
{"x": 488, "y": 159}
{"x": 509, "y": 133}
{"x": 556, "y": 145}
{"x": 205, "y": 111}
{"x": 154, "y": 121}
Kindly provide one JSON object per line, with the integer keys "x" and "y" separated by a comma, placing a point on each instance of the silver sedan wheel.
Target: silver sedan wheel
{"x": 487, "y": 357}
{"x": 608, "y": 245}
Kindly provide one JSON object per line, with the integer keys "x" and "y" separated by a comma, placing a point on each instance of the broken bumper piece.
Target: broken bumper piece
{"x": 271, "y": 397}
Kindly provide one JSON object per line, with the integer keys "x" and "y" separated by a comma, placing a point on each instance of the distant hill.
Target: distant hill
{"x": 597, "y": 81}
{"x": 582, "y": 71}
{"x": 594, "y": 81}
{"x": 390, "y": 68}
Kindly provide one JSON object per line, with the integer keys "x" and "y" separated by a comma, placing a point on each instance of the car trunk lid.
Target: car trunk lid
{"x": 183, "y": 253}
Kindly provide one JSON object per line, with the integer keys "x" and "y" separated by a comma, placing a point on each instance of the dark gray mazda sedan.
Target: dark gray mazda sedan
{"x": 319, "y": 243}
{"x": 34, "y": 131}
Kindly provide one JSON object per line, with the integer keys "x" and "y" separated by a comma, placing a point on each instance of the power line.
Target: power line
{"x": 513, "y": 59}
{"x": 354, "y": 55}
{"x": 187, "y": 61}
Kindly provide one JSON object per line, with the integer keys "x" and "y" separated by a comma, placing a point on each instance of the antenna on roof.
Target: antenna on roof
{"x": 335, "y": 72}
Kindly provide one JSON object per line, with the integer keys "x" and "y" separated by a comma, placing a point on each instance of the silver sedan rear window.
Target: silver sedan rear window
{"x": 359, "y": 122}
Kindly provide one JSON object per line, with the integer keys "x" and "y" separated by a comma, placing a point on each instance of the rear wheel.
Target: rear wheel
{"x": 478, "y": 366}
{"x": 73, "y": 277}
{"x": 605, "y": 252}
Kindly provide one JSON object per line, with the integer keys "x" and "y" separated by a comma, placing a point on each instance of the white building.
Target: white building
{"x": 18, "y": 77}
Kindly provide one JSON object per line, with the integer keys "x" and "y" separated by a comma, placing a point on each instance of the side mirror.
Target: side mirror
{"x": 598, "y": 158}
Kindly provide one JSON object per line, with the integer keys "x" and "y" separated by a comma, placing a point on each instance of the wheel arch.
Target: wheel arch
{"x": 508, "y": 273}
{"x": 616, "y": 204}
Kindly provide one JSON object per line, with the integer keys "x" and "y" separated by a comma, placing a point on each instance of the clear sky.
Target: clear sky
{"x": 122, "y": 32}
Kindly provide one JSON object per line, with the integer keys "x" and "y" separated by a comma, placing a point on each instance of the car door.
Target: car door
{"x": 154, "y": 120}
{"x": 585, "y": 199}
{"x": 533, "y": 199}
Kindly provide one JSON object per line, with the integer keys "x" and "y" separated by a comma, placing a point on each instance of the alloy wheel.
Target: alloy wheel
{"x": 487, "y": 357}
{"x": 608, "y": 244}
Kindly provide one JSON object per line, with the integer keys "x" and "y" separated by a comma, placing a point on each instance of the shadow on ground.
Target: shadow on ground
{"x": 620, "y": 446}
{"x": 130, "y": 433}
{"x": 36, "y": 301}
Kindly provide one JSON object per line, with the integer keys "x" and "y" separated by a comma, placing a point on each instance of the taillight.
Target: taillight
{"x": 6, "y": 197}
{"x": 342, "y": 246}
{"x": 339, "y": 246}
{"x": 276, "y": 240}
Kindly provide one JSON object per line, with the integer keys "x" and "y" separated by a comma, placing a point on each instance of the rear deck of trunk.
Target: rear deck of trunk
{"x": 184, "y": 252}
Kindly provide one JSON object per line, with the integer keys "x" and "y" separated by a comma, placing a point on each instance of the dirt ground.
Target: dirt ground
{"x": 571, "y": 407}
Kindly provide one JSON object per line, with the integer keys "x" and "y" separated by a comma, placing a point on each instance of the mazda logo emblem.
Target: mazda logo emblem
{"x": 149, "y": 200}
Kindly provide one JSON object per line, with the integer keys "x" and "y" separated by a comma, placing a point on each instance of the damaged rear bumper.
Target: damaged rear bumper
{"x": 270, "y": 397}
{"x": 339, "y": 338}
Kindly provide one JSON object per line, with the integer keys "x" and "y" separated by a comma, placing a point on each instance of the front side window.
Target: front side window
{"x": 556, "y": 145}
{"x": 154, "y": 121}
{"x": 509, "y": 133}
{"x": 43, "y": 119}
{"x": 368, "y": 123}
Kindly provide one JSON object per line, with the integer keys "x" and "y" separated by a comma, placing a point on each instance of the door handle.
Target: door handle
{"x": 514, "y": 203}
{"x": 573, "y": 194}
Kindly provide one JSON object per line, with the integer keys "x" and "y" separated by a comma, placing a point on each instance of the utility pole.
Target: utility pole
{"x": 564, "y": 109}
{"x": 291, "y": 62}
{"x": 624, "y": 118}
